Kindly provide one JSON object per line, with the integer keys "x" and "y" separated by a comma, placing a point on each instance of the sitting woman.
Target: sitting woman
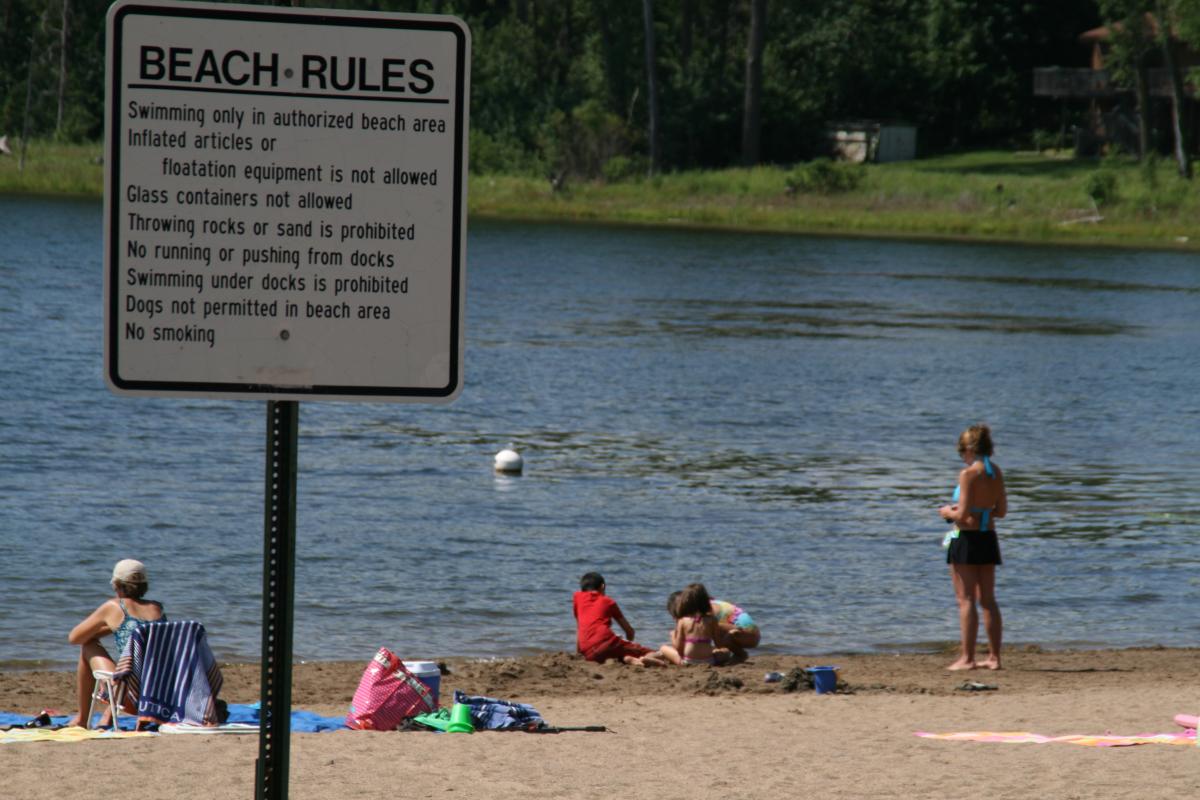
{"x": 119, "y": 616}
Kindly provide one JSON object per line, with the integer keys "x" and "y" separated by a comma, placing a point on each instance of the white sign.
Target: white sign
{"x": 285, "y": 202}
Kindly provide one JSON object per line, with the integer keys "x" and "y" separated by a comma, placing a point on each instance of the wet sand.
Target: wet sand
{"x": 697, "y": 732}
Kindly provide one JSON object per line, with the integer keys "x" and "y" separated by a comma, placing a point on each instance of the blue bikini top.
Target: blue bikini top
{"x": 128, "y": 625}
{"x": 985, "y": 513}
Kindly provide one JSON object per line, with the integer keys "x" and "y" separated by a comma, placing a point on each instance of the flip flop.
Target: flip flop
{"x": 42, "y": 720}
{"x": 1186, "y": 720}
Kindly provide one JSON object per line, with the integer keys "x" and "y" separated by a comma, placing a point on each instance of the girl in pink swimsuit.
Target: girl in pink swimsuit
{"x": 692, "y": 641}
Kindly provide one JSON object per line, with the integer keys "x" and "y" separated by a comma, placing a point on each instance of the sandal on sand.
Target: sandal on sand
{"x": 972, "y": 686}
{"x": 42, "y": 720}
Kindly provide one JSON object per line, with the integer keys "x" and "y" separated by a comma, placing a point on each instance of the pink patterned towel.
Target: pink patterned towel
{"x": 1104, "y": 740}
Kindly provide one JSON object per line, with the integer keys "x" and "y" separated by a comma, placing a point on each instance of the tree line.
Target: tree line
{"x": 1146, "y": 32}
{"x": 617, "y": 87}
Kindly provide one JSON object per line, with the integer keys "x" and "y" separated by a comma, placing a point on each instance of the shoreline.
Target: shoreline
{"x": 1112, "y": 241}
{"x": 946, "y": 649}
{"x": 325, "y": 685}
{"x": 1116, "y": 241}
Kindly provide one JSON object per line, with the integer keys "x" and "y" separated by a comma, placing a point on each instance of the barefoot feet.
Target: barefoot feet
{"x": 961, "y": 664}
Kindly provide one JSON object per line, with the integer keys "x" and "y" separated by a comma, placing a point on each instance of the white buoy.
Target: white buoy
{"x": 509, "y": 461}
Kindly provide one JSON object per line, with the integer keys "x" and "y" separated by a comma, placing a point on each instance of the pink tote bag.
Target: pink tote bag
{"x": 387, "y": 695}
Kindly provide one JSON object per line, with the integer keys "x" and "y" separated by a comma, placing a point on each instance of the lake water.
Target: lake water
{"x": 773, "y": 415}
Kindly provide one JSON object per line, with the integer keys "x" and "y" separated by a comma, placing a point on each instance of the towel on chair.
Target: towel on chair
{"x": 169, "y": 671}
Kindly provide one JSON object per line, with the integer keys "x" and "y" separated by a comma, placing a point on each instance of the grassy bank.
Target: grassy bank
{"x": 989, "y": 195}
{"x": 1001, "y": 196}
{"x": 64, "y": 169}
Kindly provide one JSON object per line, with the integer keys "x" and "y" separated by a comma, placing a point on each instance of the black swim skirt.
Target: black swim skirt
{"x": 974, "y": 547}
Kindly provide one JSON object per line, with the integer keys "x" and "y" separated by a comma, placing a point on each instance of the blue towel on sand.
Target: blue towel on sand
{"x": 302, "y": 721}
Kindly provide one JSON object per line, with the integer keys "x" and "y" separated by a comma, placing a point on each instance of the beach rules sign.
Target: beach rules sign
{"x": 285, "y": 203}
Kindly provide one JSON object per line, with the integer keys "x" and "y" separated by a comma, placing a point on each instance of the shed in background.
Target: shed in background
{"x": 869, "y": 141}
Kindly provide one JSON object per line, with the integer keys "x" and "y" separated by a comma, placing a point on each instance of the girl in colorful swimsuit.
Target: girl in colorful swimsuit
{"x": 736, "y": 629}
{"x": 118, "y": 615}
{"x": 973, "y": 551}
{"x": 693, "y": 641}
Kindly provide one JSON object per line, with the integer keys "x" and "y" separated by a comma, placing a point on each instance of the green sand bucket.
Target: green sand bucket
{"x": 460, "y": 719}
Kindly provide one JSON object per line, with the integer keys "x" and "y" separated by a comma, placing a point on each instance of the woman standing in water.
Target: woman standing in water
{"x": 973, "y": 551}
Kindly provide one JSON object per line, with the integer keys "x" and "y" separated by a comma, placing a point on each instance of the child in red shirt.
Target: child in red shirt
{"x": 594, "y": 614}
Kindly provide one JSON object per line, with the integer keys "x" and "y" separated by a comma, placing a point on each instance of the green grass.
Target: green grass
{"x": 65, "y": 169}
{"x": 986, "y": 195}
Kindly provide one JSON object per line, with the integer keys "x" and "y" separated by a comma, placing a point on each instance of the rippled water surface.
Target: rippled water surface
{"x": 775, "y": 416}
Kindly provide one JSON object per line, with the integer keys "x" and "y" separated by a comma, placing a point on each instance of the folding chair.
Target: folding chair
{"x": 105, "y": 691}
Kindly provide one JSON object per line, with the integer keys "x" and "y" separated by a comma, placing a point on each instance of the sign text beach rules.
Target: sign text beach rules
{"x": 285, "y": 202}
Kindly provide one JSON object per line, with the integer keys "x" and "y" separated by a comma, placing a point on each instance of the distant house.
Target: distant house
{"x": 1112, "y": 113}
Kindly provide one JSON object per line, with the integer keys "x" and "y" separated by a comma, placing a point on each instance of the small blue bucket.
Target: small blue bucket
{"x": 824, "y": 679}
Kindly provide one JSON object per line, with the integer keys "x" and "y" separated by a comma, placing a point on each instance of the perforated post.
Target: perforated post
{"x": 279, "y": 571}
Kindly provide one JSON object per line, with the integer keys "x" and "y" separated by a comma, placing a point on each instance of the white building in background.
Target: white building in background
{"x": 876, "y": 142}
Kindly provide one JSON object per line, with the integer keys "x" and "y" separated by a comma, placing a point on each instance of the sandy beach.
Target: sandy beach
{"x": 695, "y": 733}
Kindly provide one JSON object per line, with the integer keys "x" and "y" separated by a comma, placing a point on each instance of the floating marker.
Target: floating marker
{"x": 509, "y": 461}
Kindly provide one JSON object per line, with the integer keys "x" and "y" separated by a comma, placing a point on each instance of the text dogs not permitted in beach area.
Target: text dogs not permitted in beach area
{"x": 285, "y": 203}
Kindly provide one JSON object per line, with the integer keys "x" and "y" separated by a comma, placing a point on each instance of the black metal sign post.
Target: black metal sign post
{"x": 279, "y": 572}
